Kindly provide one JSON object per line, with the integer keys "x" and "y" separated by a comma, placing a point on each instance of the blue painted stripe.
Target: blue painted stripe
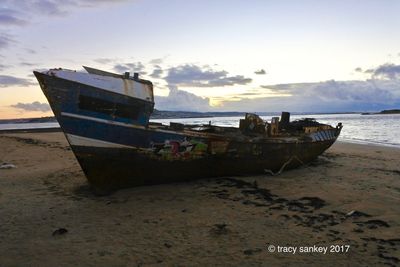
{"x": 142, "y": 138}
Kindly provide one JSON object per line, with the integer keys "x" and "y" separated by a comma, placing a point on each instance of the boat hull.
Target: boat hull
{"x": 110, "y": 168}
{"x": 110, "y": 135}
{"x": 122, "y": 155}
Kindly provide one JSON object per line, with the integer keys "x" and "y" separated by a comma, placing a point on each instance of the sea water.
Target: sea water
{"x": 357, "y": 128}
{"x": 21, "y": 126}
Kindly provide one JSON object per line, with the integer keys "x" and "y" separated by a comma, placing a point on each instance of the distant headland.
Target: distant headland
{"x": 386, "y": 111}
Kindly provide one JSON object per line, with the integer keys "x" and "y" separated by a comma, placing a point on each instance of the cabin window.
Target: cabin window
{"x": 96, "y": 105}
{"x": 110, "y": 108}
{"x": 127, "y": 111}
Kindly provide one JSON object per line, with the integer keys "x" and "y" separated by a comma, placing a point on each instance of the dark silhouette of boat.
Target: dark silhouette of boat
{"x": 105, "y": 118}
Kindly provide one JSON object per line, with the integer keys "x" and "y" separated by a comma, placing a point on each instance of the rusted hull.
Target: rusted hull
{"x": 113, "y": 168}
{"x": 116, "y": 146}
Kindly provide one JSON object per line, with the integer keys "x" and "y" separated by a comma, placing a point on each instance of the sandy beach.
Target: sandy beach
{"x": 346, "y": 201}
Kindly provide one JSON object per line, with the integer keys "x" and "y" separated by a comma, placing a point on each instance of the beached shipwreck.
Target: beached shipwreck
{"x": 105, "y": 117}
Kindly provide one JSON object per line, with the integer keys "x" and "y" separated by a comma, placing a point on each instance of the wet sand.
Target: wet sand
{"x": 50, "y": 217}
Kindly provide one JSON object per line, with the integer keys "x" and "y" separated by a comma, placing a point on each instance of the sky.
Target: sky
{"x": 225, "y": 55}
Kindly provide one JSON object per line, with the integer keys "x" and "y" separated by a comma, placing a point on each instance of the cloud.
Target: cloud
{"x": 131, "y": 67}
{"x": 386, "y": 71}
{"x": 6, "y": 80}
{"x": 27, "y": 64}
{"x": 366, "y": 91}
{"x": 34, "y": 106}
{"x": 369, "y": 91}
{"x": 95, "y": 3}
{"x": 3, "y": 67}
{"x": 104, "y": 60}
{"x": 5, "y": 40}
{"x": 48, "y": 7}
{"x": 260, "y": 72}
{"x": 260, "y": 92}
{"x": 120, "y": 68}
{"x": 157, "y": 72}
{"x": 30, "y": 51}
{"x": 328, "y": 96}
{"x": 358, "y": 69}
{"x": 179, "y": 100}
{"x": 21, "y": 12}
{"x": 10, "y": 17}
{"x": 190, "y": 75}
{"x": 156, "y": 61}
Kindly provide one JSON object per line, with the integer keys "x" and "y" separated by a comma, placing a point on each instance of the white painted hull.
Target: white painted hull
{"x": 128, "y": 87}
